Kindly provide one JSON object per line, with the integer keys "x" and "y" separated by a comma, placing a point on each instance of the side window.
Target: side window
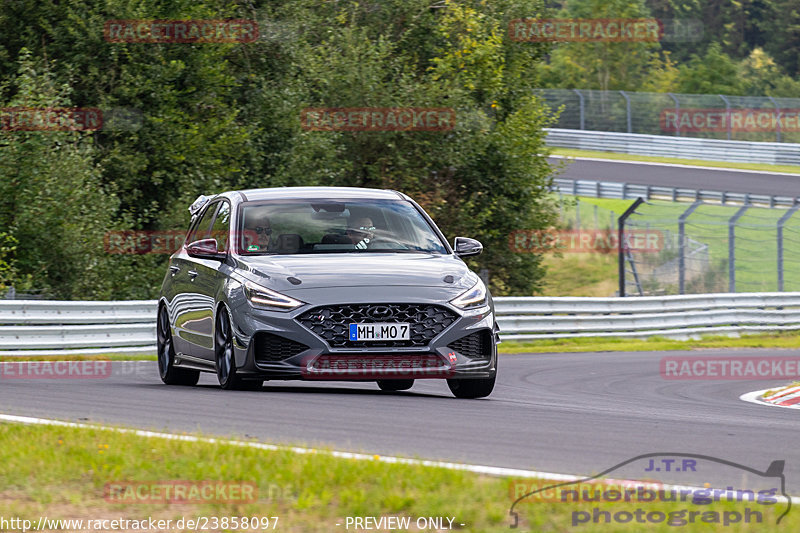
{"x": 203, "y": 227}
{"x": 221, "y": 227}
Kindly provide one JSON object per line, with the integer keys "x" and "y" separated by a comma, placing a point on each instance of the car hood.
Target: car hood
{"x": 287, "y": 273}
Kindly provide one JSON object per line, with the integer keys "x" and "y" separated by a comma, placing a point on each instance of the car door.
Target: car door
{"x": 213, "y": 274}
{"x": 194, "y": 310}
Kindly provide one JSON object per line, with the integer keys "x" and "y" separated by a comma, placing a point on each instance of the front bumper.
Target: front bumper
{"x": 316, "y": 359}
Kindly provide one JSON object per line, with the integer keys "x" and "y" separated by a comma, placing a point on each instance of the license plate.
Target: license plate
{"x": 380, "y": 331}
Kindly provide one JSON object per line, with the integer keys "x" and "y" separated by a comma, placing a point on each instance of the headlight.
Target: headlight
{"x": 264, "y": 297}
{"x": 474, "y": 297}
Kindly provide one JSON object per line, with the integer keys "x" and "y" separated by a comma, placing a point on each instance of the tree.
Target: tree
{"x": 783, "y": 29}
{"x": 601, "y": 65}
{"x": 53, "y": 205}
{"x": 761, "y": 76}
{"x": 487, "y": 177}
{"x": 712, "y": 73}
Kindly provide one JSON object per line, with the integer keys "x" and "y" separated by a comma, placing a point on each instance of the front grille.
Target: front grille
{"x": 332, "y": 323}
{"x": 271, "y": 348}
{"x": 476, "y": 345}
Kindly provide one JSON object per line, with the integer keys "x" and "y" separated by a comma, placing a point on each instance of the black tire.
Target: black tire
{"x": 471, "y": 388}
{"x": 224, "y": 360}
{"x": 166, "y": 355}
{"x": 395, "y": 384}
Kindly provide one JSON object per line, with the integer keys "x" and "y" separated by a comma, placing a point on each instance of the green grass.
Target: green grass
{"x": 584, "y": 274}
{"x": 580, "y": 275}
{"x": 789, "y": 340}
{"x": 61, "y": 472}
{"x": 608, "y": 204}
{"x": 569, "y": 152}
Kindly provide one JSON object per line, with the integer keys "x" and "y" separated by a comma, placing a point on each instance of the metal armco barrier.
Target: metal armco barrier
{"x": 684, "y": 147}
{"x": 42, "y": 327}
{"x": 668, "y": 316}
{"x": 35, "y": 327}
{"x": 631, "y": 191}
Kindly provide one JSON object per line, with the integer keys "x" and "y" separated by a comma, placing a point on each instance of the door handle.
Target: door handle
{"x": 192, "y": 274}
{"x": 174, "y": 269}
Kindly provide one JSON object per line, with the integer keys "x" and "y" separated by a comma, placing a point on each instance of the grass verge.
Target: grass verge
{"x": 92, "y": 357}
{"x": 570, "y": 152}
{"x": 789, "y": 340}
{"x": 62, "y": 472}
{"x": 583, "y": 274}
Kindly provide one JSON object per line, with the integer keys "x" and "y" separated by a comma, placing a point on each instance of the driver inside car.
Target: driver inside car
{"x": 361, "y": 232}
{"x": 258, "y": 232}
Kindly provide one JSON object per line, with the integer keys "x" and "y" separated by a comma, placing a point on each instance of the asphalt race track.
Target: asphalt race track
{"x": 565, "y": 413}
{"x": 724, "y": 179}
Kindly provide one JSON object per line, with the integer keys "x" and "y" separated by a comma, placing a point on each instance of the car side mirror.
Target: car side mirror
{"x": 465, "y": 247}
{"x": 205, "y": 249}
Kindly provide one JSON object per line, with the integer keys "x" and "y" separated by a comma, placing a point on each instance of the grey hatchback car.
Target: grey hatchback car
{"x": 324, "y": 283}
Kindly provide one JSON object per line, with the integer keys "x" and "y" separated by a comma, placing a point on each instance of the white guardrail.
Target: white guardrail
{"x": 667, "y": 146}
{"x": 37, "y": 327}
{"x": 44, "y": 327}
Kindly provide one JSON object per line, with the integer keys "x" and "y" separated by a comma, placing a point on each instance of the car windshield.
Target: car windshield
{"x": 335, "y": 226}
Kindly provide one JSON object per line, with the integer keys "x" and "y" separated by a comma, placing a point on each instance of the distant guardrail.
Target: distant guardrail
{"x": 35, "y": 327}
{"x": 684, "y": 147}
{"x": 625, "y": 191}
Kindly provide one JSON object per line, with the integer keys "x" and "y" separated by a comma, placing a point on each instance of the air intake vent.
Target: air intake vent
{"x": 476, "y": 345}
{"x": 270, "y": 348}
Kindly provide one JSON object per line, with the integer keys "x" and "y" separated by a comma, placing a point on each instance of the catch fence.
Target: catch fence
{"x": 710, "y": 116}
